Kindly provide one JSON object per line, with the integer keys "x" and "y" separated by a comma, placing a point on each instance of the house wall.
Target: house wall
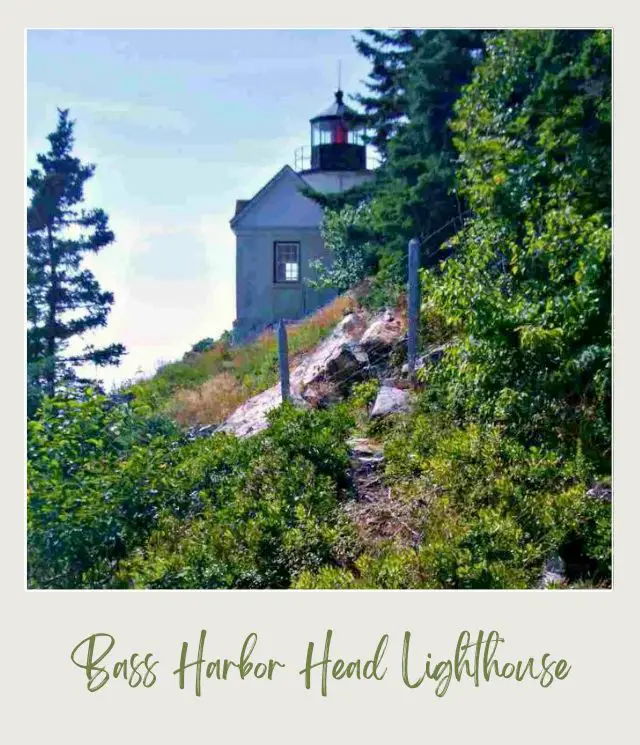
{"x": 259, "y": 300}
{"x": 330, "y": 182}
{"x": 282, "y": 204}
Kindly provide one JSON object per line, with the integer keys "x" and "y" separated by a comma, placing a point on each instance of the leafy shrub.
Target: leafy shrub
{"x": 528, "y": 291}
{"x": 363, "y": 394}
{"x": 203, "y": 345}
{"x": 494, "y": 511}
{"x": 114, "y": 503}
{"x": 497, "y": 508}
{"x": 347, "y": 236}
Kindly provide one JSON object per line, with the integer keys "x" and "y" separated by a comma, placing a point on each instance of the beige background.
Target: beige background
{"x": 44, "y": 698}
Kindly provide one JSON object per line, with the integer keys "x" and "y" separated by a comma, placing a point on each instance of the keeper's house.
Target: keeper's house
{"x": 278, "y": 230}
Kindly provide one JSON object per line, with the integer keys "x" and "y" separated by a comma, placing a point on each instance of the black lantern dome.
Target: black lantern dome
{"x": 337, "y": 139}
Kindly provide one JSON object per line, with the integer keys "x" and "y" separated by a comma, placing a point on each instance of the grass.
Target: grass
{"x": 204, "y": 388}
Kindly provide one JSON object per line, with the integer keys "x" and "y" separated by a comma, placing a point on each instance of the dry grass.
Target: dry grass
{"x": 209, "y": 403}
{"x": 330, "y": 314}
{"x": 234, "y": 374}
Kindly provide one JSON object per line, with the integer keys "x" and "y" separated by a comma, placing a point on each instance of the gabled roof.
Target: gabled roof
{"x": 247, "y": 204}
{"x": 240, "y": 205}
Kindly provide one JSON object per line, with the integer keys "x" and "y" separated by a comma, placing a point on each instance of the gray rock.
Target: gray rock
{"x": 384, "y": 333}
{"x": 251, "y": 417}
{"x": 554, "y": 572}
{"x": 430, "y": 356}
{"x": 391, "y": 400}
{"x": 601, "y": 492}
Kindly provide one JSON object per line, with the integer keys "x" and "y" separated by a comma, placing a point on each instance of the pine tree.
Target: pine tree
{"x": 386, "y": 106}
{"x": 64, "y": 300}
{"x": 418, "y": 194}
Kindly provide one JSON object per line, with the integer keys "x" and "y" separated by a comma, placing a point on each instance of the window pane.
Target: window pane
{"x": 291, "y": 272}
{"x": 287, "y": 262}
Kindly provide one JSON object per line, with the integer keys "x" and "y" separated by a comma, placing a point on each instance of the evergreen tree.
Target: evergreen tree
{"x": 417, "y": 194}
{"x": 386, "y": 106}
{"x": 416, "y": 78}
{"x": 64, "y": 300}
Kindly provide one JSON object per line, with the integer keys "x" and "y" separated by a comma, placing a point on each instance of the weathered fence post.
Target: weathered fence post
{"x": 283, "y": 358}
{"x": 414, "y": 305}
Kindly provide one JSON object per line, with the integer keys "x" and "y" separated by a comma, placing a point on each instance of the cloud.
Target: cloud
{"x": 158, "y": 315}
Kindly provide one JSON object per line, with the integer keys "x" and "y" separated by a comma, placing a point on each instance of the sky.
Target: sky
{"x": 180, "y": 124}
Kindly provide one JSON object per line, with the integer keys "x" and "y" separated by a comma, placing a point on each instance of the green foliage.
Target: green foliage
{"x": 529, "y": 288}
{"x": 385, "y": 105}
{"x": 363, "y": 394}
{"x": 416, "y": 197}
{"x": 64, "y": 300}
{"x": 117, "y": 499}
{"x": 347, "y": 235}
{"x": 494, "y": 511}
{"x": 203, "y": 345}
{"x": 416, "y": 77}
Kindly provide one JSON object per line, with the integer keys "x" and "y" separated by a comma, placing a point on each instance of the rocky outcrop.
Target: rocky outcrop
{"x": 601, "y": 492}
{"x": 391, "y": 400}
{"x": 384, "y": 333}
{"x": 336, "y": 363}
{"x": 325, "y": 375}
{"x": 251, "y": 417}
{"x": 321, "y": 378}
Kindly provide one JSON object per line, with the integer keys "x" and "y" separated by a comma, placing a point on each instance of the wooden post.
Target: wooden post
{"x": 414, "y": 305}
{"x": 283, "y": 358}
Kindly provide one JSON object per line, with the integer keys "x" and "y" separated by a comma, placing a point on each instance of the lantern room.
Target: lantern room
{"x": 337, "y": 139}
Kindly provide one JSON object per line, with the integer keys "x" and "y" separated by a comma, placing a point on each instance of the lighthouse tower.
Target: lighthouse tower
{"x": 278, "y": 237}
{"x": 338, "y": 152}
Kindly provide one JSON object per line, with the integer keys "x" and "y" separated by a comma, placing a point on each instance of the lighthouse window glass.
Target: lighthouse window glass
{"x": 321, "y": 133}
{"x": 287, "y": 262}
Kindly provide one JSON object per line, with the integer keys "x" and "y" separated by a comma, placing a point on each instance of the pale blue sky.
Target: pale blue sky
{"x": 180, "y": 124}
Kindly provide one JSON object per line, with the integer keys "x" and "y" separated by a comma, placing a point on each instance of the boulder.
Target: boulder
{"x": 325, "y": 374}
{"x": 554, "y": 572}
{"x": 600, "y": 492}
{"x": 251, "y": 417}
{"x": 322, "y": 377}
{"x": 391, "y": 400}
{"x": 384, "y": 333}
{"x": 353, "y": 325}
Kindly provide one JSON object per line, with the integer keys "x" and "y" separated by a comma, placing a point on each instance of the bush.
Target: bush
{"x": 203, "y": 345}
{"x": 493, "y": 512}
{"x": 497, "y": 508}
{"x": 115, "y": 503}
{"x": 528, "y": 291}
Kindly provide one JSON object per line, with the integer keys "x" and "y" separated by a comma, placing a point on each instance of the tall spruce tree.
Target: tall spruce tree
{"x": 417, "y": 194}
{"x": 64, "y": 300}
{"x": 415, "y": 80}
{"x": 385, "y": 107}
